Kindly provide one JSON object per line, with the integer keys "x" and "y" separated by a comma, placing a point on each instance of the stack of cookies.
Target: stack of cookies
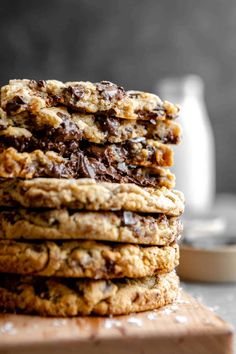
{"x": 89, "y": 219}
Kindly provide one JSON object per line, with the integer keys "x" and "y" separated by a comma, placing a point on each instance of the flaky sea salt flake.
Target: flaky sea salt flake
{"x": 111, "y": 323}
{"x": 8, "y": 328}
{"x": 59, "y": 323}
{"x": 181, "y": 319}
{"x": 152, "y": 316}
{"x": 167, "y": 311}
{"x": 135, "y": 321}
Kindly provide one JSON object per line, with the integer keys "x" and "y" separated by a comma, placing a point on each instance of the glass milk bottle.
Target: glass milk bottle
{"x": 195, "y": 156}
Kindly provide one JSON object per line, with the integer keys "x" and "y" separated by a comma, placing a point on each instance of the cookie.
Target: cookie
{"x": 86, "y": 259}
{"x": 59, "y": 125}
{"x": 61, "y": 224}
{"x": 90, "y": 195}
{"x": 15, "y": 164}
{"x": 100, "y": 98}
{"x": 72, "y": 297}
{"x": 138, "y": 152}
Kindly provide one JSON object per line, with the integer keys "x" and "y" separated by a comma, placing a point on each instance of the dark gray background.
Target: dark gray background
{"x": 134, "y": 43}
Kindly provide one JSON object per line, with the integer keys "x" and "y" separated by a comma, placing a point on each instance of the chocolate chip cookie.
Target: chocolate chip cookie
{"x": 138, "y": 152}
{"x": 86, "y": 259}
{"x": 102, "y": 97}
{"x": 15, "y": 164}
{"x": 72, "y": 297}
{"x": 57, "y": 124}
{"x": 90, "y": 195}
{"x": 64, "y": 224}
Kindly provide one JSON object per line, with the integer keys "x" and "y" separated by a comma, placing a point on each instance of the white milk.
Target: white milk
{"x": 195, "y": 156}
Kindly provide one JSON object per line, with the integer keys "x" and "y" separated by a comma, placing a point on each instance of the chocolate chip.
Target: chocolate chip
{"x": 77, "y": 92}
{"x": 41, "y": 289}
{"x": 53, "y": 222}
{"x": 37, "y": 248}
{"x": 136, "y": 297}
{"x": 108, "y": 124}
{"x": 84, "y": 167}
{"x": 14, "y": 104}
{"x": 37, "y": 84}
{"x": 10, "y": 217}
{"x": 134, "y": 95}
{"x": 62, "y": 115}
{"x": 110, "y": 266}
{"x": 108, "y": 90}
{"x": 73, "y": 285}
{"x": 41, "y": 83}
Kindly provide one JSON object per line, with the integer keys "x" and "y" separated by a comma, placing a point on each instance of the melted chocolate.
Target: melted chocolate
{"x": 14, "y": 105}
{"x": 110, "y": 162}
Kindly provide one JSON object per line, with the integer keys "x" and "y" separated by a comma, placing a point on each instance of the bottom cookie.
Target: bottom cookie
{"x": 71, "y": 297}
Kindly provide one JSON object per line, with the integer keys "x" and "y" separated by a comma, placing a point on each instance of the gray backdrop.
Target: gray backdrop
{"x": 134, "y": 43}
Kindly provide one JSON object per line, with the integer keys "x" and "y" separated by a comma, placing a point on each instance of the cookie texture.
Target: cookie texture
{"x": 103, "y": 97}
{"x": 64, "y": 224}
{"x": 59, "y": 125}
{"x": 90, "y": 195}
{"x": 39, "y": 164}
{"x": 72, "y": 297}
{"x": 138, "y": 152}
{"x": 86, "y": 259}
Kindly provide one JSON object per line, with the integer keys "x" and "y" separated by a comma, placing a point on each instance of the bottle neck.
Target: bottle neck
{"x": 177, "y": 89}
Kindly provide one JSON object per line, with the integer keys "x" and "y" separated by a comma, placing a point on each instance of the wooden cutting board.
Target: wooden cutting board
{"x": 183, "y": 328}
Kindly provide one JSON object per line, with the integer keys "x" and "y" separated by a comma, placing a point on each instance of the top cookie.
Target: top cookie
{"x": 86, "y": 97}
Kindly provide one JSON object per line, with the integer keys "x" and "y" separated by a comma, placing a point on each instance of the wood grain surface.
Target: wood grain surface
{"x": 184, "y": 327}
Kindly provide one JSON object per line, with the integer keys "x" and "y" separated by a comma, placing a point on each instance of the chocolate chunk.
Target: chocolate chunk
{"x": 73, "y": 285}
{"x": 11, "y": 217}
{"x": 37, "y": 248}
{"x": 110, "y": 266}
{"x": 109, "y": 124}
{"x": 14, "y": 105}
{"x": 76, "y": 92}
{"x": 134, "y": 95}
{"x": 41, "y": 83}
{"x": 37, "y": 84}
{"x": 41, "y": 289}
{"x": 108, "y": 90}
{"x": 84, "y": 168}
{"x": 108, "y": 163}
